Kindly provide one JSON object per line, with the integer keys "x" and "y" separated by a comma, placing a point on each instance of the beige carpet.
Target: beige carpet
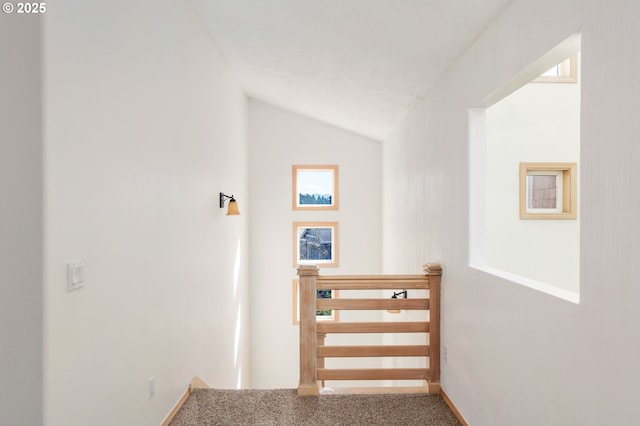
{"x": 285, "y": 407}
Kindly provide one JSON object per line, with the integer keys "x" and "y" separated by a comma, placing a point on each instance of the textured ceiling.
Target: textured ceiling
{"x": 357, "y": 64}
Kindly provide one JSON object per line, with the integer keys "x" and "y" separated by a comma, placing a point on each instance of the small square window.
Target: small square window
{"x": 315, "y": 243}
{"x": 315, "y": 187}
{"x": 548, "y": 191}
{"x": 328, "y": 315}
{"x": 544, "y": 191}
{"x": 565, "y": 72}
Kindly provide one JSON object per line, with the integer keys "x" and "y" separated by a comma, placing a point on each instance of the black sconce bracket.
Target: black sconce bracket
{"x": 223, "y": 198}
{"x": 396, "y": 294}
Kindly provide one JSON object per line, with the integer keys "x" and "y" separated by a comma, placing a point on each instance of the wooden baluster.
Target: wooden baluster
{"x": 320, "y": 341}
{"x": 434, "y": 271}
{"x": 308, "y": 339}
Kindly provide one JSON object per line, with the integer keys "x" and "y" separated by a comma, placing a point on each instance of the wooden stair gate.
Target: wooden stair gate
{"x": 312, "y": 334}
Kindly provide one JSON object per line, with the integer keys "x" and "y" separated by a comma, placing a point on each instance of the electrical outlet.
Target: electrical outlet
{"x": 446, "y": 353}
{"x": 75, "y": 275}
{"x": 151, "y": 387}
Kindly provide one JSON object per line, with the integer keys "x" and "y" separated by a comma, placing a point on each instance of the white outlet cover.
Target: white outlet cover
{"x": 75, "y": 275}
{"x": 151, "y": 387}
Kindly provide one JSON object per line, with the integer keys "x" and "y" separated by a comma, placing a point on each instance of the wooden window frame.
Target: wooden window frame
{"x": 297, "y": 169}
{"x": 330, "y": 263}
{"x": 569, "y": 190}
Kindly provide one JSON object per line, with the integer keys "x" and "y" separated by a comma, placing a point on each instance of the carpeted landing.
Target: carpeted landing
{"x": 284, "y": 407}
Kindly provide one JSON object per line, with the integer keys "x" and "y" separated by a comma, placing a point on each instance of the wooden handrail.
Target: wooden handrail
{"x": 373, "y": 327}
{"x": 372, "y": 282}
{"x": 374, "y": 374}
{"x": 372, "y": 304}
{"x": 372, "y": 351}
{"x": 312, "y": 334}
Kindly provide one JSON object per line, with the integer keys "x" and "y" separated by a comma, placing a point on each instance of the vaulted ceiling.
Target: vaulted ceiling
{"x": 356, "y": 64}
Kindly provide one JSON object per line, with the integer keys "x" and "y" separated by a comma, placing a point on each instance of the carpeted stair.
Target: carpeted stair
{"x": 284, "y": 407}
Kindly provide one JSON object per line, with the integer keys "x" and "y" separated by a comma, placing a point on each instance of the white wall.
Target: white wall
{"x": 278, "y": 140}
{"x": 145, "y": 125}
{"x": 540, "y": 122}
{"x": 515, "y": 355}
{"x": 21, "y": 236}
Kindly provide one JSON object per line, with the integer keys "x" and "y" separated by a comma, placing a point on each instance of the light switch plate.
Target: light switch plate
{"x": 75, "y": 275}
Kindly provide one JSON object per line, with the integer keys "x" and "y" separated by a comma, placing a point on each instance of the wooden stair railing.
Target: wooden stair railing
{"x": 312, "y": 334}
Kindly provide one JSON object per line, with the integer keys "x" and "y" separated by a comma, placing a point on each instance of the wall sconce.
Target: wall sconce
{"x": 395, "y": 296}
{"x": 233, "y": 205}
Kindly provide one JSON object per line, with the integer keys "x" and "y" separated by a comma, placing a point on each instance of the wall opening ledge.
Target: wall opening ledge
{"x": 549, "y": 289}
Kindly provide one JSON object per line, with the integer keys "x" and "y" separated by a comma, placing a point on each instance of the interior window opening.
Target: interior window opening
{"x": 524, "y": 152}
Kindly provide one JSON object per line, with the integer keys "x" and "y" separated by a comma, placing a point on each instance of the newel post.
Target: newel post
{"x": 434, "y": 271}
{"x": 308, "y": 385}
